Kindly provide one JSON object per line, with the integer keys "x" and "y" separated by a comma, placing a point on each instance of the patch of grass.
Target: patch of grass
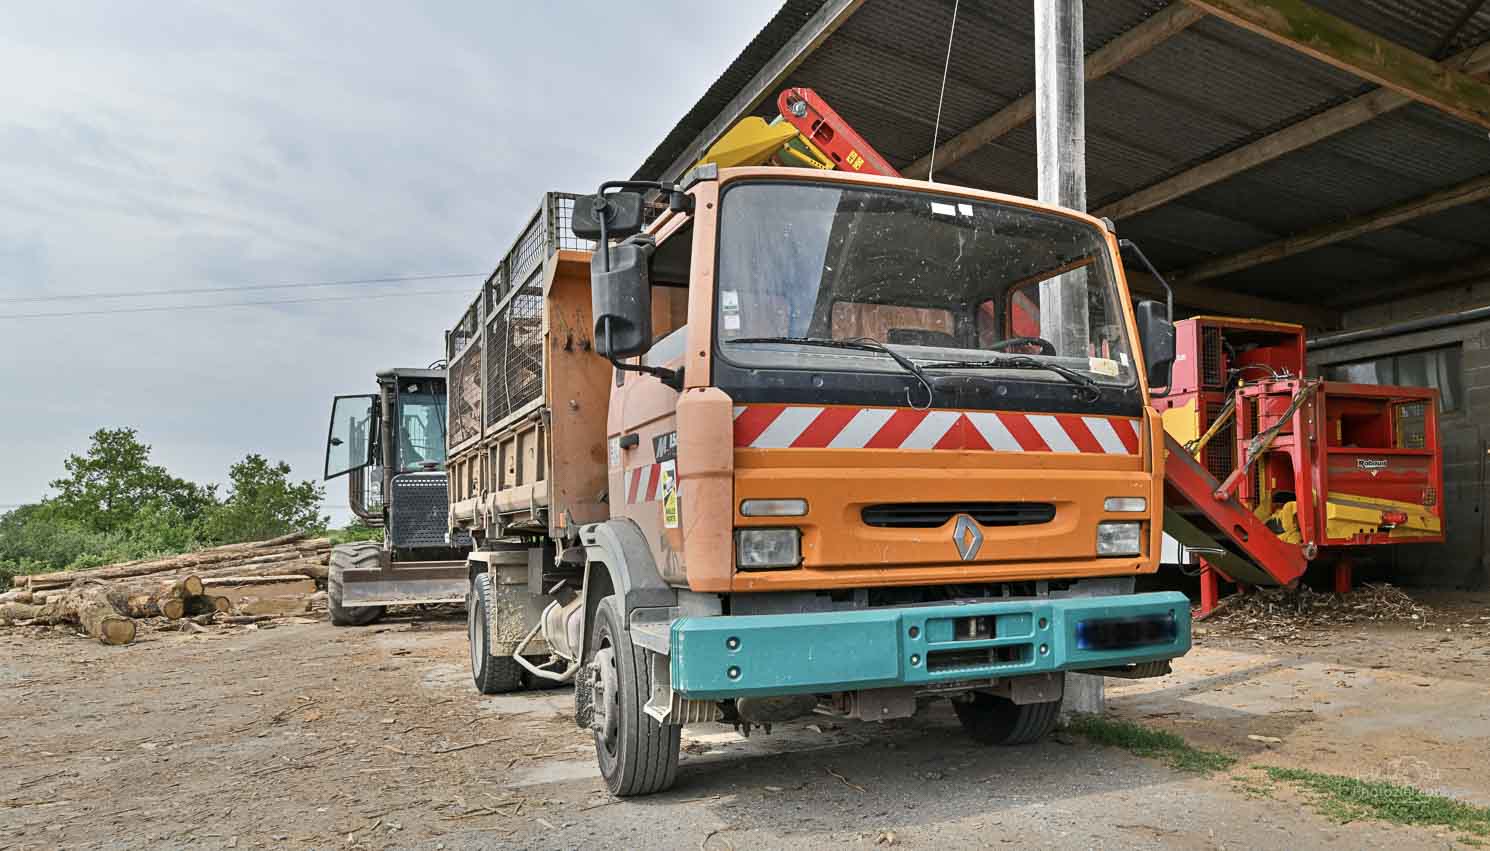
{"x": 1348, "y": 799}
{"x": 1252, "y": 789}
{"x": 1172, "y": 750}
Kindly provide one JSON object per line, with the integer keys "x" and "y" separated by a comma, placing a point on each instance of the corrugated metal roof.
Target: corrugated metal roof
{"x": 1202, "y": 93}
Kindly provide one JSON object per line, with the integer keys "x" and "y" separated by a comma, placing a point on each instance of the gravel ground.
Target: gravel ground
{"x": 306, "y": 736}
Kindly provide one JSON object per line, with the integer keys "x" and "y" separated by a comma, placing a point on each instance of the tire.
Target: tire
{"x": 491, "y": 674}
{"x": 991, "y": 720}
{"x": 637, "y": 755}
{"x": 343, "y": 556}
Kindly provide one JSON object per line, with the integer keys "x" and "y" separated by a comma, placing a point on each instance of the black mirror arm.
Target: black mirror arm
{"x": 671, "y": 377}
{"x": 1130, "y": 245}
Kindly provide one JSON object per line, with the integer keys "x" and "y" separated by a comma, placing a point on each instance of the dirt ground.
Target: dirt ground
{"x": 307, "y": 736}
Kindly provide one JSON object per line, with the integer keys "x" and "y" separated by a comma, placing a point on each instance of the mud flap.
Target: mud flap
{"x": 514, "y": 611}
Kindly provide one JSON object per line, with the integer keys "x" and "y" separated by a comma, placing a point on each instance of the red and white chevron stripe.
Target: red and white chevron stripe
{"x": 807, "y": 427}
{"x": 643, "y": 484}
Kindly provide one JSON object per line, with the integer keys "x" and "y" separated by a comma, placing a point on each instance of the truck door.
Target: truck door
{"x": 642, "y": 423}
{"x": 350, "y": 438}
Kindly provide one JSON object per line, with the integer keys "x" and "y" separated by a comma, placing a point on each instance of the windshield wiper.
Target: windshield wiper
{"x": 862, "y": 344}
{"x": 1085, "y": 382}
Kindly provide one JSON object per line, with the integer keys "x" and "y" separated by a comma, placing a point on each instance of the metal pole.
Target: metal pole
{"x": 1060, "y": 134}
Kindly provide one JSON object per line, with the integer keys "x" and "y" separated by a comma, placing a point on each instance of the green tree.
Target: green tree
{"x": 262, "y": 502}
{"x": 107, "y": 488}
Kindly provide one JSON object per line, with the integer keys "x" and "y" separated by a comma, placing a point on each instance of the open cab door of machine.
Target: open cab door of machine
{"x": 349, "y": 440}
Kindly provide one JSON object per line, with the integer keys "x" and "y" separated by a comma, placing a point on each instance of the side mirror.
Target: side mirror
{"x": 621, "y": 298}
{"x": 1156, "y": 335}
{"x": 622, "y": 212}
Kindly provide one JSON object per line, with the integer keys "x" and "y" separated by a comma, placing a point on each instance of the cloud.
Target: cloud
{"x": 173, "y": 145}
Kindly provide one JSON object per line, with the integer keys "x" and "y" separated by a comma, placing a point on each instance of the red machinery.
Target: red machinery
{"x": 1269, "y": 469}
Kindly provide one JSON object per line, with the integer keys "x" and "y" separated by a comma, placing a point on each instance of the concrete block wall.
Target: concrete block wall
{"x": 1461, "y": 561}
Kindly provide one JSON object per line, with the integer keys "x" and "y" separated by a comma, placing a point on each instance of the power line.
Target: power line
{"x": 167, "y": 308}
{"x": 201, "y": 290}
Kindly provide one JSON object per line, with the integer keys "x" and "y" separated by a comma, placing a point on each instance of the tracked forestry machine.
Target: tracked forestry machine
{"x": 391, "y": 447}
{"x": 795, "y": 435}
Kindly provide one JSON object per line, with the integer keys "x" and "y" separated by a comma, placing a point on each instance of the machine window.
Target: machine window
{"x": 421, "y": 432}
{"x": 349, "y": 443}
{"x": 1438, "y": 368}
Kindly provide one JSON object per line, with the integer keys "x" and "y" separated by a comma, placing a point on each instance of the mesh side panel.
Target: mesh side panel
{"x": 420, "y": 510}
{"x": 465, "y": 330}
{"x": 1210, "y": 358}
{"x": 563, "y": 217}
{"x": 514, "y": 372}
{"x": 1218, "y": 453}
{"x": 1412, "y": 426}
{"x": 529, "y": 252}
{"x": 465, "y": 396}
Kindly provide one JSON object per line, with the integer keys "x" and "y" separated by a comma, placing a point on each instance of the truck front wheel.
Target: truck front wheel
{"x": 343, "y": 556}
{"x": 492, "y": 674}
{"x": 637, "y": 755}
{"x": 993, "y": 720}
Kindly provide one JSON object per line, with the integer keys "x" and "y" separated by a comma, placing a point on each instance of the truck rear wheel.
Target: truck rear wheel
{"x": 637, "y": 755}
{"x": 992, "y": 720}
{"x": 492, "y": 674}
{"x": 343, "y": 556}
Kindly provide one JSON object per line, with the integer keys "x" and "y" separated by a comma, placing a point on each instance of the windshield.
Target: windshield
{"x": 944, "y": 281}
{"x": 421, "y": 428}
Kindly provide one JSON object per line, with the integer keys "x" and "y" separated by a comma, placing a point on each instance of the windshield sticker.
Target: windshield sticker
{"x": 1123, "y": 358}
{"x": 729, "y": 308}
{"x": 1103, "y": 366}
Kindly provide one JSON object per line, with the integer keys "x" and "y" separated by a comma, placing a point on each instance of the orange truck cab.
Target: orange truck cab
{"x": 816, "y": 441}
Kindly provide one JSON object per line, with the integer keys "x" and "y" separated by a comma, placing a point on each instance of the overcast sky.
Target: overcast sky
{"x": 150, "y": 146}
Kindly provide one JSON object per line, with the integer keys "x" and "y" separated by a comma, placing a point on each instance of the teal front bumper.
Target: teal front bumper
{"x": 713, "y": 658}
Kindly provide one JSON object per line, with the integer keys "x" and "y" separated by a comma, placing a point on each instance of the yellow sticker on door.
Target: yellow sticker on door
{"x": 669, "y": 491}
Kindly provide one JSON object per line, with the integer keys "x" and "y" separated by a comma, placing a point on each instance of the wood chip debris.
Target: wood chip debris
{"x": 1281, "y": 614}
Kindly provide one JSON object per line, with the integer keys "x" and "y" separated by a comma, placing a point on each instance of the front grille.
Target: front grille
{"x": 420, "y": 511}
{"x": 977, "y": 658}
{"x": 930, "y": 515}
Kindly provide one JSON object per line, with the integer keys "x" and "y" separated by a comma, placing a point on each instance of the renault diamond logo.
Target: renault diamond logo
{"x": 967, "y": 537}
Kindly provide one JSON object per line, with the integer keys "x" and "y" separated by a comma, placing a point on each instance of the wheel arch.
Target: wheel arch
{"x": 619, "y": 562}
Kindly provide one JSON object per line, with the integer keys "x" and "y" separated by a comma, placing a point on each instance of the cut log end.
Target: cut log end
{"x": 115, "y": 631}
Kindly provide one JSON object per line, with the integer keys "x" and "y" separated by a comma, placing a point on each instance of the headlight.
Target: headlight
{"x": 1119, "y": 539}
{"x": 761, "y": 549}
{"x": 1125, "y": 504}
{"x": 773, "y": 507}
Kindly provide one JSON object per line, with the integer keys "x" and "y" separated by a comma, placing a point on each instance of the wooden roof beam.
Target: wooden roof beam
{"x": 1463, "y": 272}
{"x": 1300, "y": 26}
{"x": 1099, "y": 63}
{"x": 1467, "y": 192}
{"x": 1214, "y": 301}
{"x": 1315, "y": 128}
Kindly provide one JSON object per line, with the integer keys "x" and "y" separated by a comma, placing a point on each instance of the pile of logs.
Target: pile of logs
{"x": 105, "y": 602}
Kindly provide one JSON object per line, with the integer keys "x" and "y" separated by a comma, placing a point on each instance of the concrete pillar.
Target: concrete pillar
{"x": 1060, "y": 133}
